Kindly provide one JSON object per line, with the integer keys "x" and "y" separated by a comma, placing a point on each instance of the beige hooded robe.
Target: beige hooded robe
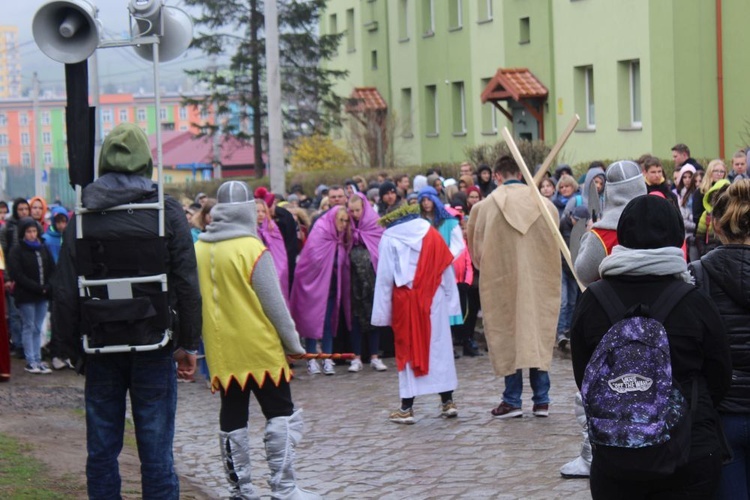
{"x": 520, "y": 273}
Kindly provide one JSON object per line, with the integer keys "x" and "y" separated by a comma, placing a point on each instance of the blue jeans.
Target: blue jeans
{"x": 539, "y": 384}
{"x": 32, "y": 319}
{"x": 570, "y": 293}
{"x": 735, "y": 476}
{"x": 327, "y": 340}
{"x": 151, "y": 379}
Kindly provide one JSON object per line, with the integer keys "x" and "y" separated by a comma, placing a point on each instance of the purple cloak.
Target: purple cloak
{"x": 312, "y": 278}
{"x": 272, "y": 238}
{"x": 367, "y": 231}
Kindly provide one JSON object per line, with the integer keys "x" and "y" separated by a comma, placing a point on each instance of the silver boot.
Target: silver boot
{"x": 235, "y": 455}
{"x": 580, "y": 467}
{"x": 282, "y": 436}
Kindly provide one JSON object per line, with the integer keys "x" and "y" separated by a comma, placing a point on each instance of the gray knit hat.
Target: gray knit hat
{"x": 624, "y": 182}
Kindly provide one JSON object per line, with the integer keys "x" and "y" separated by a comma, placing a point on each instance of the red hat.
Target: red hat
{"x": 263, "y": 194}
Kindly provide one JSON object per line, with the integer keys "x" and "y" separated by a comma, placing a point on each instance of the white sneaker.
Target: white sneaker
{"x": 58, "y": 364}
{"x": 43, "y": 368}
{"x": 328, "y": 367}
{"x": 313, "y": 368}
{"x": 378, "y": 365}
{"x": 355, "y": 365}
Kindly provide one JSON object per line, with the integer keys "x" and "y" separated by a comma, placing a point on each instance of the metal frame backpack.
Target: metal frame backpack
{"x": 638, "y": 418}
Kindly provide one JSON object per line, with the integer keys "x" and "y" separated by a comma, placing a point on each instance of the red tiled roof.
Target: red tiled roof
{"x": 514, "y": 83}
{"x": 365, "y": 99}
{"x": 185, "y": 148}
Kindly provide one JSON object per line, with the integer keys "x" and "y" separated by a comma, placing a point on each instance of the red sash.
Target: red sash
{"x": 411, "y": 306}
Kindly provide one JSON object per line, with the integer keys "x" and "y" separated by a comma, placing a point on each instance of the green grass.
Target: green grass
{"x": 23, "y": 477}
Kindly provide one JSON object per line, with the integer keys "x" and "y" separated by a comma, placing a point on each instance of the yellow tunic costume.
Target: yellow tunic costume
{"x": 240, "y": 340}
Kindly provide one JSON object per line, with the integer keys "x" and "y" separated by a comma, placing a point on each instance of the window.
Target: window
{"x": 635, "y": 94}
{"x": 333, "y": 25}
{"x": 25, "y": 159}
{"x": 107, "y": 116}
{"x": 428, "y": 18}
{"x": 162, "y": 114}
{"x": 403, "y": 20}
{"x": 455, "y": 17}
{"x": 3, "y": 139}
{"x": 629, "y": 95}
{"x": 23, "y": 119}
{"x": 584, "y": 96}
{"x": 458, "y": 99}
{"x": 167, "y": 179}
{"x": 350, "y": 47}
{"x": 484, "y": 8}
{"x": 3, "y": 120}
{"x": 25, "y": 139}
{"x": 590, "y": 108}
{"x": 489, "y": 115}
{"x": 46, "y": 138}
{"x": 406, "y": 113}
{"x": 524, "y": 30}
{"x": 183, "y": 114}
{"x": 3, "y": 160}
{"x": 432, "y": 127}
{"x": 47, "y": 158}
{"x": 141, "y": 115}
{"x": 123, "y": 115}
{"x": 45, "y": 118}
{"x": 204, "y": 114}
{"x": 374, "y": 59}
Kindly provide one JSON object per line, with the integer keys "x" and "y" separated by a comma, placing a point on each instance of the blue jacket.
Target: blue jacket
{"x": 52, "y": 238}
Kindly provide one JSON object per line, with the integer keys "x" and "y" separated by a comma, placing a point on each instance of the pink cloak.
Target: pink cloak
{"x": 367, "y": 231}
{"x": 272, "y": 238}
{"x": 312, "y": 278}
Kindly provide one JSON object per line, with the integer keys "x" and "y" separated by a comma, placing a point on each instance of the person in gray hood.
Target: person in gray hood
{"x": 125, "y": 243}
{"x": 248, "y": 332}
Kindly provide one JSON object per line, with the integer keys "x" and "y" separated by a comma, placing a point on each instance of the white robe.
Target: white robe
{"x": 398, "y": 253}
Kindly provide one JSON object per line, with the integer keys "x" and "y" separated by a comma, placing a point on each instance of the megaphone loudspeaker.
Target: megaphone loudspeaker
{"x": 175, "y": 37}
{"x": 66, "y": 30}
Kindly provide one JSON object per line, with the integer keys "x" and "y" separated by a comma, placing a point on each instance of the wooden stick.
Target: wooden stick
{"x": 556, "y": 149}
{"x": 553, "y": 226}
{"x": 321, "y": 355}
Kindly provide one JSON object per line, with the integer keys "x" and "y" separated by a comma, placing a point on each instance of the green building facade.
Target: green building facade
{"x": 642, "y": 75}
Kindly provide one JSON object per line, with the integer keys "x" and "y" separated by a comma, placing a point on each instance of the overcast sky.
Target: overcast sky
{"x": 116, "y": 65}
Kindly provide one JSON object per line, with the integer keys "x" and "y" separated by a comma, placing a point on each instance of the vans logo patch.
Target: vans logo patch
{"x": 630, "y": 382}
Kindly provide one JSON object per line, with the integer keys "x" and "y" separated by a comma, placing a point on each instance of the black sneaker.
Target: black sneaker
{"x": 31, "y": 368}
{"x": 562, "y": 341}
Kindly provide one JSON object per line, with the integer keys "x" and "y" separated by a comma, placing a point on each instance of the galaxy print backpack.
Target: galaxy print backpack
{"x": 638, "y": 418}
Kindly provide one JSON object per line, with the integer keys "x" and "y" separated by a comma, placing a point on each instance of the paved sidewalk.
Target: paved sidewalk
{"x": 351, "y": 450}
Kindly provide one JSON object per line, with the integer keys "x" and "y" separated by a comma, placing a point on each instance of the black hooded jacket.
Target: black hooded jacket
{"x": 110, "y": 190}
{"x": 728, "y": 271}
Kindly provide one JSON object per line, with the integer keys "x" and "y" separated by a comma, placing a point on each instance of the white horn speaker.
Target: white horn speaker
{"x": 66, "y": 30}
{"x": 173, "y": 25}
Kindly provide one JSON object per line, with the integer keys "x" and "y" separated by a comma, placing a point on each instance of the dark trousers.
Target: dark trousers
{"x": 698, "y": 479}
{"x": 274, "y": 402}
{"x": 151, "y": 380}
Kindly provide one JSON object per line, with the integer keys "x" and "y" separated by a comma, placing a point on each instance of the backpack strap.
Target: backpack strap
{"x": 668, "y": 299}
{"x": 607, "y": 296}
{"x": 609, "y": 300}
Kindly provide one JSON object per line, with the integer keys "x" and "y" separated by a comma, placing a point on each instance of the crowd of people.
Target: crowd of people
{"x": 403, "y": 267}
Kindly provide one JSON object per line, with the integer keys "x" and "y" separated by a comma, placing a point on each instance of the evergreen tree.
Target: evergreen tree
{"x": 233, "y": 29}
